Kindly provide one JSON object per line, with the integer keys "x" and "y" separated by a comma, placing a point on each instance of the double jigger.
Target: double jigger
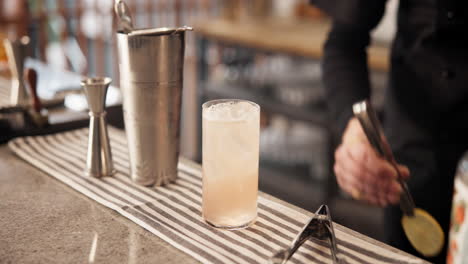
{"x": 99, "y": 158}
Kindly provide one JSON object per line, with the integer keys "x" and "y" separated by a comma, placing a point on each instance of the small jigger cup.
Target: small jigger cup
{"x": 99, "y": 158}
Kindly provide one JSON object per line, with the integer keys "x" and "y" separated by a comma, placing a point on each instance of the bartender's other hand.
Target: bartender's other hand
{"x": 362, "y": 173}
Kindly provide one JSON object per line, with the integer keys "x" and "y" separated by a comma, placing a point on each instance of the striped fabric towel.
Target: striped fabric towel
{"x": 173, "y": 212}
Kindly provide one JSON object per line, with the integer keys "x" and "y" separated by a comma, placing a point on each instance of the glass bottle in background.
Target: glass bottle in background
{"x": 458, "y": 236}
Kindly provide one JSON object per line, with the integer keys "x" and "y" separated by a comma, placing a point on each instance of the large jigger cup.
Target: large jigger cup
{"x": 99, "y": 159}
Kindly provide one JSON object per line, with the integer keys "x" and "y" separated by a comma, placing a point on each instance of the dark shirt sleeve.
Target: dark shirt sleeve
{"x": 345, "y": 70}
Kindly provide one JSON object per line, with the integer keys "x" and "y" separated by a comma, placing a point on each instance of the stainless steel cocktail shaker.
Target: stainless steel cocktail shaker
{"x": 151, "y": 63}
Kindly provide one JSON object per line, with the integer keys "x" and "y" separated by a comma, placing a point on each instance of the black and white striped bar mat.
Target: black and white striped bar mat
{"x": 173, "y": 212}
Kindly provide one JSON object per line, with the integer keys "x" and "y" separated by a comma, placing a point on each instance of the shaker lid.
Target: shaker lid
{"x": 126, "y": 23}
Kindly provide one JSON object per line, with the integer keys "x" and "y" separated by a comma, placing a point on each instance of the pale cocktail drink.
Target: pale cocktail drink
{"x": 231, "y": 131}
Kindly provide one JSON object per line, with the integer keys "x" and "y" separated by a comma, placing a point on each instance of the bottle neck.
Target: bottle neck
{"x": 462, "y": 170}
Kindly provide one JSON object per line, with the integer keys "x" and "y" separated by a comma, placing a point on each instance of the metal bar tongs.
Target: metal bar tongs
{"x": 370, "y": 124}
{"x": 320, "y": 227}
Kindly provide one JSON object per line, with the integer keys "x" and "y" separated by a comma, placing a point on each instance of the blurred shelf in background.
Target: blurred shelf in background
{"x": 290, "y": 36}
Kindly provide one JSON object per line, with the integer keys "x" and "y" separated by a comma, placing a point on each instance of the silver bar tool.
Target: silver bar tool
{"x": 320, "y": 227}
{"x": 99, "y": 158}
{"x": 367, "y": 117}
{"x": 124, "y": 16}
{"x": 16, "y": 52}
{"x": 151, "y": 63}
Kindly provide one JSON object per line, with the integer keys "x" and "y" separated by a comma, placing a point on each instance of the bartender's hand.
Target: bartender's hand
{"x": 362, "y": 173}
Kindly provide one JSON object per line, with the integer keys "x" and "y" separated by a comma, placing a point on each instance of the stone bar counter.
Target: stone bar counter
{"x": 45, "y": 221}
